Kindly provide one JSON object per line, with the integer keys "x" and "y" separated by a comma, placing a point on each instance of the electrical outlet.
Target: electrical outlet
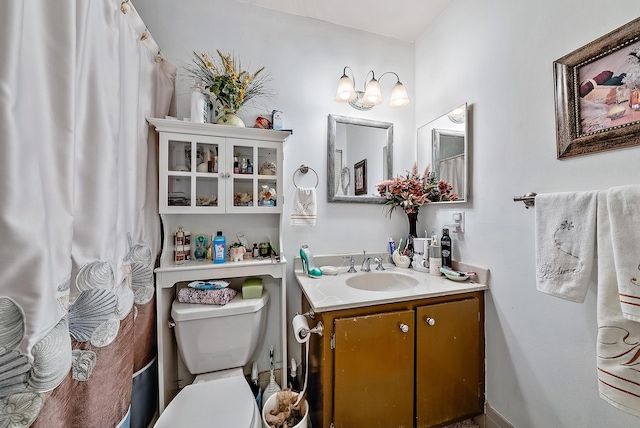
{"x": 458, "y": 221}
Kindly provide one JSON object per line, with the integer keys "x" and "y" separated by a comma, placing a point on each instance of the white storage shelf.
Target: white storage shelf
{"x": 196, "y": 176}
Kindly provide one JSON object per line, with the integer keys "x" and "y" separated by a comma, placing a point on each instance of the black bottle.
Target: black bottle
{"x": 445, "y": 243}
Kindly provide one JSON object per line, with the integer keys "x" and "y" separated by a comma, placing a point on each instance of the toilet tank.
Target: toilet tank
{"x": 212, "y": 337}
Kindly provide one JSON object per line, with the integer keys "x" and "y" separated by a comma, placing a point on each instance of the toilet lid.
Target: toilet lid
{"x": 226, "y": 402}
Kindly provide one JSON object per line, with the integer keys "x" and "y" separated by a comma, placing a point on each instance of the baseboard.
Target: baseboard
{"x": 493, "y": 419}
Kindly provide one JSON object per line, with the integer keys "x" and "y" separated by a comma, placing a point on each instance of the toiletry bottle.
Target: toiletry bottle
{"x": 219, "y": 248}
{"x": 445, "y": 243}
{"x": 294, "y": 385}
{"x": 435, "y": 257}
{"x": 178, "y": 252}
{"x": 236, "y": 165}
{"x": 255, "y": 386}
{"x": 256, "y": 251}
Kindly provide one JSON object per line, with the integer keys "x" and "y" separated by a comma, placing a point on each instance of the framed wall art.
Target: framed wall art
{"x": 360, "y": 173}
{"x": 597, "y": 94}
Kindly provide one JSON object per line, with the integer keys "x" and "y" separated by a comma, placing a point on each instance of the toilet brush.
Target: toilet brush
{"x": 273, "y": 387}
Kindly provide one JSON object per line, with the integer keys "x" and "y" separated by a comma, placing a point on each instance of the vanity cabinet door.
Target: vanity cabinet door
{"x": 373, "y": 370}
{"x": 448, "y": 362}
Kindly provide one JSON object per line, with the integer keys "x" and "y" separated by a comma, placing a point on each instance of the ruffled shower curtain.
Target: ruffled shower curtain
{"x": 78, "y": 212}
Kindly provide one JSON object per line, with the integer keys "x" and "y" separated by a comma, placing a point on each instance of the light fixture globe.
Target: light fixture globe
{"x": 345, "y": 93}
{"x": 372, "y": 94}
{"x": 399, "y": 96}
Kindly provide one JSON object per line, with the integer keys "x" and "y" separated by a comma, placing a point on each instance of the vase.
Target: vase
{"x": 413, "y": 224}
{"x": 230, "y": 119}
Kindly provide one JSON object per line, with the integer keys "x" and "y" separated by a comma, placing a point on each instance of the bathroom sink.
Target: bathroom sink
{"x": 381, "y": 281}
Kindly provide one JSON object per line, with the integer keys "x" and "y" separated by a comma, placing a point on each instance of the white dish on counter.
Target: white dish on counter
{"x": 460, "y": 278}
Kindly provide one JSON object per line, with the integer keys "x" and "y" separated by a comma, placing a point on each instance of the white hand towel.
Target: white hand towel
{"x": 565, "y": 243}
{"x": 623, "y": 204}
{"x": 618, "y": 376}
{"x": 304, "y": 207}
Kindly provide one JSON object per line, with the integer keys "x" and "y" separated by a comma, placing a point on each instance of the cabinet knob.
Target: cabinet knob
{"x": 221, "y": 175}
{"x": 430, "y": 321}
{"x": 227, "y": 175}
{"x": 404, "y": 328}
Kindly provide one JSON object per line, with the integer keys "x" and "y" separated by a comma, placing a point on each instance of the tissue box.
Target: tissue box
{"x": 252, "y": 288}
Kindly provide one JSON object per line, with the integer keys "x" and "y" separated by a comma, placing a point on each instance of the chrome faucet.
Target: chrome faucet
{"x": 379, "y": 261}
{"x": 352, "y": 269}
{"x": 366, "y": 262}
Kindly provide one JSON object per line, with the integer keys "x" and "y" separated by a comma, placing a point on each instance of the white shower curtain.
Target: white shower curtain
{"x": 78, "y": 209}
{"x": 452, "y": 171}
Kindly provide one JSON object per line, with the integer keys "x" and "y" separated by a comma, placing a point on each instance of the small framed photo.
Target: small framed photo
{"x": 597, "y": 94}
{"x": 360, "y": 173}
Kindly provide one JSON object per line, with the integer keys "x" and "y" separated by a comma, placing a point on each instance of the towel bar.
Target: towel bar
{"x": 529, "y": 199}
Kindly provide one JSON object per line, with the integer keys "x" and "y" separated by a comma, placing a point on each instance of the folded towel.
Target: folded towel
{"x": 208, "y": 297}
{"x": 618, "y": 376}
{"x": 623, "y": 204}
{"x": 304, "y": 207}
{"x": 565, "y": 243}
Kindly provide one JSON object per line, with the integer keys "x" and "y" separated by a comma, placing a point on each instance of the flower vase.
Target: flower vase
{"x": 413, "y": 224}
{"x": 231, "y": 119}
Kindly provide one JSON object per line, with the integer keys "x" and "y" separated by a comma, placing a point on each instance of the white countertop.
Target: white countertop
{"x": 330, "y": 292}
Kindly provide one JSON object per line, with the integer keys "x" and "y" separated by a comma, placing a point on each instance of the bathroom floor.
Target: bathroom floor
{"x": 468, "y": 423}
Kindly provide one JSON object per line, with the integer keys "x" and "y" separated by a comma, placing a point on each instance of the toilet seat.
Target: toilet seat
{"x": 223, "y": 403}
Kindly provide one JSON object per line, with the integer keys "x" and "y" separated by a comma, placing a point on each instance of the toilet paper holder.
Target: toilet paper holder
{"x": 318, "y": 329}
{"x": 311, "y": 314}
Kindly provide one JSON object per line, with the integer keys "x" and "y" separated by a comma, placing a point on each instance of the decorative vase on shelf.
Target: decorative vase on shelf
{"x": 230, "y": 118}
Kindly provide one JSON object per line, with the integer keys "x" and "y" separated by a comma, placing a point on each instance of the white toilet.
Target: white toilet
{"x": 215, "y": 342}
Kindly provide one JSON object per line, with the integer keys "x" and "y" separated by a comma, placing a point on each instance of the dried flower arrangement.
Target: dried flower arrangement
{"x": 224, "y": 78}
{"x": 413, "y": 190}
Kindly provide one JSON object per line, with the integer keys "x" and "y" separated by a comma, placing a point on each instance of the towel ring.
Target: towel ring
{"x": 304, "y": 169}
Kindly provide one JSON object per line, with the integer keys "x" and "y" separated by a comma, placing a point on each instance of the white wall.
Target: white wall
{"x": 306, "y": 59}
{"x": 497, "y": 55}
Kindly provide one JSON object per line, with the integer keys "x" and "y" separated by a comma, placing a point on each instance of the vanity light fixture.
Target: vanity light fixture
{"x": 457, "y": 115}
{"x": 372, "y": 94}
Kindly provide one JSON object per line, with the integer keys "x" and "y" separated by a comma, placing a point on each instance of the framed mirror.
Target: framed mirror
{"x": 443, "y": 144}
{"x": 359, "y": 156}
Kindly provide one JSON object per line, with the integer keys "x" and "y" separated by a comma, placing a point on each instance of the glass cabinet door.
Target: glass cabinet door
{"x": 193, "y": 181}
{"x": 255, "y": 183}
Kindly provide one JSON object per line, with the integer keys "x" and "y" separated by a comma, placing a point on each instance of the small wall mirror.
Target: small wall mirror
{"x": 359, "y": 156}
{"x": 443, "y": 144}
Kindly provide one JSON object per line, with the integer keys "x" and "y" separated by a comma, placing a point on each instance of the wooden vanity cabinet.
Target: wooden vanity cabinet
{"x": 410, "y": 364}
